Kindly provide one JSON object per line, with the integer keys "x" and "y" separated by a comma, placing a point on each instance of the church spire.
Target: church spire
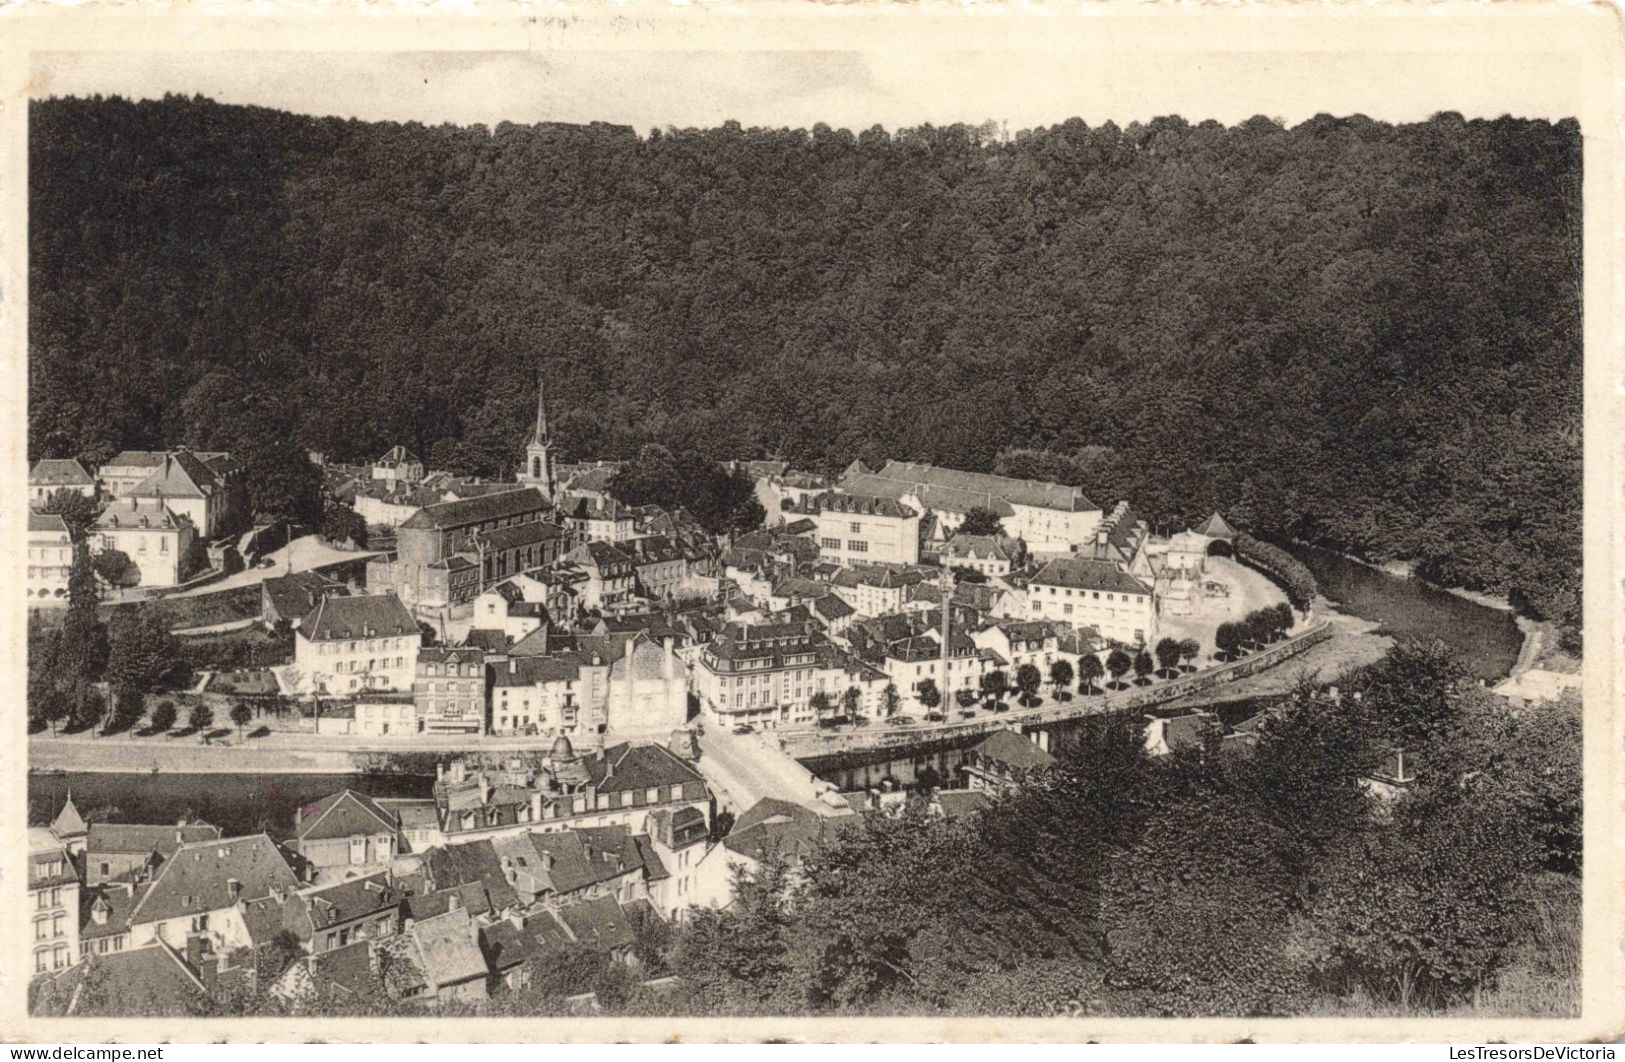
{"x": 540, "y": 436}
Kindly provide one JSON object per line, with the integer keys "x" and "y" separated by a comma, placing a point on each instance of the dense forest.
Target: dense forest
{"x": 1356, "y": 333}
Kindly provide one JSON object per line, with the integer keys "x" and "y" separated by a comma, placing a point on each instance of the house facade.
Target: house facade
{"x": 449, "y": 690}
{"x": 50, "y": 560}
{"x": 50, "y": 475}
{"x": 351, "y": 644}
{"x": 1095, "y": 594}
{"x": 154, "y": 536}
{"x": 862, "y": 529}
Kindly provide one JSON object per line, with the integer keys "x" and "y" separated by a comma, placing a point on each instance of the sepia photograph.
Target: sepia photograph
{"x": 810, "y": 533}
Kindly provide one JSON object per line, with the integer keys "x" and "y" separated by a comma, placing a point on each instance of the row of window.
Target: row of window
{"x": 49, "y": 928}
{"x": 57, "y": 958}
{"x": 374, "y": 644}
{"x": 1054, "y": 591}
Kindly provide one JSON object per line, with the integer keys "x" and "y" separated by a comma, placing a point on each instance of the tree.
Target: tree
{"x": 241, "y": 715}
{"x": 1189, "y": 650}
{"x": 1168, "y": 654}
{"x": 980, "y": 521}
{"x": 890, "y": 700}
{"x": 928, "y": 694}
{"x": 1060, "y": 677}
{"x": 820, "y": 703}
{"x": 200, "y": 718}
{"x": 966, "y": 698}
{"x": 114, "y": 568}
{"x": 1227, "y": 639}
{"x": 430, "y": 637}
{"x": 1117, "y": 664}
{"x": 77, "y": 510}
{"x": 341, "y": 524}
{"x": 1028, "y": 679}
{"x": 994, "y": 683}
{"x": 196, "y": 559}
{"x": 162, "y": 720}
{"x": 1090, "y": 671}
{"x": 142, "y": 654}
{"x": 850, "y": 700}
{"x": 1142, "y": 666}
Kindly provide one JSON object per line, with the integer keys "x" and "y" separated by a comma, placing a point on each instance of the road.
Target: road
{"x": 744, "y": 768}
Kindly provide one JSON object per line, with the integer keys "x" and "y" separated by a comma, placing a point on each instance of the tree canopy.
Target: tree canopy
{"x": 1346, "y": 331}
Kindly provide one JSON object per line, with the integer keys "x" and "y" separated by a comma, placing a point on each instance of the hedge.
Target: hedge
{"x": 1297, "y": 580}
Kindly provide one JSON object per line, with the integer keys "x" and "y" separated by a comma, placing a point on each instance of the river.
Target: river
{"x": 237, "y": 803}
{"x": 1486, "y": 639}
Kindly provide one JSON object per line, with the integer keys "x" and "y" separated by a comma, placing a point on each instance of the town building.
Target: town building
{"x": 53, "y": 903}
{"x": 439, "y": 551}
{"x": 766, "y": 676}
{"x": 1094, "y": 593}
{"x": 399, "y": 465}
{"x": 611, "y": 575}
{"x": 1001, "y": 761}
{"x": 51, "y": 474}
{"x": 201, "y": 890}
{"x": 290, "y": 598}
{"x": 660, "y": 567}
{"x": 153, "y": 536}
{"x": 134, "y": 852}
{"x": 336, "y": 915}
{"x": 449, "y": 690}
{"x": 206, "y": 488}
{"x": 50, "y": 560}
{"x": 861, "y": 529}
{"x": 877, "y": 589}
{"x": 992, "y": 555}
{"x": 1053, "y": 519}
{"x": 351, "y": 644}
{"x": 344, "y": 830}
{"x": 635, "y": 686}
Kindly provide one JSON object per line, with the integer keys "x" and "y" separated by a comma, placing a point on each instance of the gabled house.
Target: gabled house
{"x": 345, "y": 829}
{"x": 50, "y": 475}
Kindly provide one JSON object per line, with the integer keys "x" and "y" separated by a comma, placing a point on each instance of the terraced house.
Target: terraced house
{"x": 1095, "y": 593}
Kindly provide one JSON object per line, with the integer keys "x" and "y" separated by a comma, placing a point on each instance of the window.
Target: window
{"x": 830, "y": 543}
{"x": 39, "y": 930}
{"x": 39, "y": 962}
{"x": 856, "y": 527}
{"x": 857, "y": 545}
{"x": 653, "y": 795}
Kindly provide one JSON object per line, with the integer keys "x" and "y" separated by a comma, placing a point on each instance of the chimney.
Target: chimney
{"x": 485, "y": 789}
{"x": 454, "y": 901}
{"x": 670, "y": 668}
{"x": 439, "y": 771}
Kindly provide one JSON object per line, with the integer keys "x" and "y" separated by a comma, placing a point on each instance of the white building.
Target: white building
{"x": 50, "y": 560}
{"x": 50, "y": 475}
{"x": 1050, "y": 517}
{"x": 350, "y": 644}
{"x": 858, "y": 529}
{"x": 154, "y": 536}
{"x": 1092, "y": 593}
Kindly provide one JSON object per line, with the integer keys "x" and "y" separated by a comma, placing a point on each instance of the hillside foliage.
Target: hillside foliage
{"x": 1350, "y": 332}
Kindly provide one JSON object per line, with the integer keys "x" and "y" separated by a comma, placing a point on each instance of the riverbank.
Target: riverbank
{"x": 1354, "y": 643}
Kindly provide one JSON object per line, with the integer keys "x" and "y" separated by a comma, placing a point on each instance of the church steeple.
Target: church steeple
{"x": 539, "y": 437}
{"x": 537, "y": 470}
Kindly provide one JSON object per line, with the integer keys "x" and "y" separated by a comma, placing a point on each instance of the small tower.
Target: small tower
{"x": 70, "y": 828}
{"x": 538, "y": 468}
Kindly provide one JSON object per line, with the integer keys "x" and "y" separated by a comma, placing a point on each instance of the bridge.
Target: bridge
{"x": 814, "y": 744}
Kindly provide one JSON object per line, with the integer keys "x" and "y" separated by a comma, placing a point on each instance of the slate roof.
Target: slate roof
{"x": 855, "y": 504}
{"x": 957, "y": 803}
{"x": 448, "y": 949}
{"x": 505, "y": 946}
{"x": 488, "y": 640}
{"x": 179, "y": 475}
{"x": 1215, "y": 526}
{"x": 128, "y": 838}
{"x": 150, "y": 981}
{"x": 516, "y": 536}
{"x": 298, "y": 593}
{"x": 979, "y": 547}
{"x": 478, "y": 510}
{"x": 139, "y": 512}
{"x": 472, "y": 897}
{"x": 397, "y": 456}
{"x": 347, "y": 618}
{"x": 343, "y": 814}
{"x": 1012, "y": 750}
{"x": 117, "y": 901}
{"x": 195, "y": 879}
{"x": 1082, "y": 574}
{"x": 68, "y": 821}
{"x": 58, "y": 472}
{"x": 599, "y": 924}
{"x": 627, "y": 766}
{"x": 462, "y": 864}
{"x": 1029, "y": 492}
{"x": 46, "y": 523}
{"x": 348, "y": 968}
{"x": 778, "y": 825}
{"x": 330, "y": 905}
{"x": 136, "y": 459}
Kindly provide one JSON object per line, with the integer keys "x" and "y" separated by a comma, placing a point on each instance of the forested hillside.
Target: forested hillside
{"x": 1362, "y": 334}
